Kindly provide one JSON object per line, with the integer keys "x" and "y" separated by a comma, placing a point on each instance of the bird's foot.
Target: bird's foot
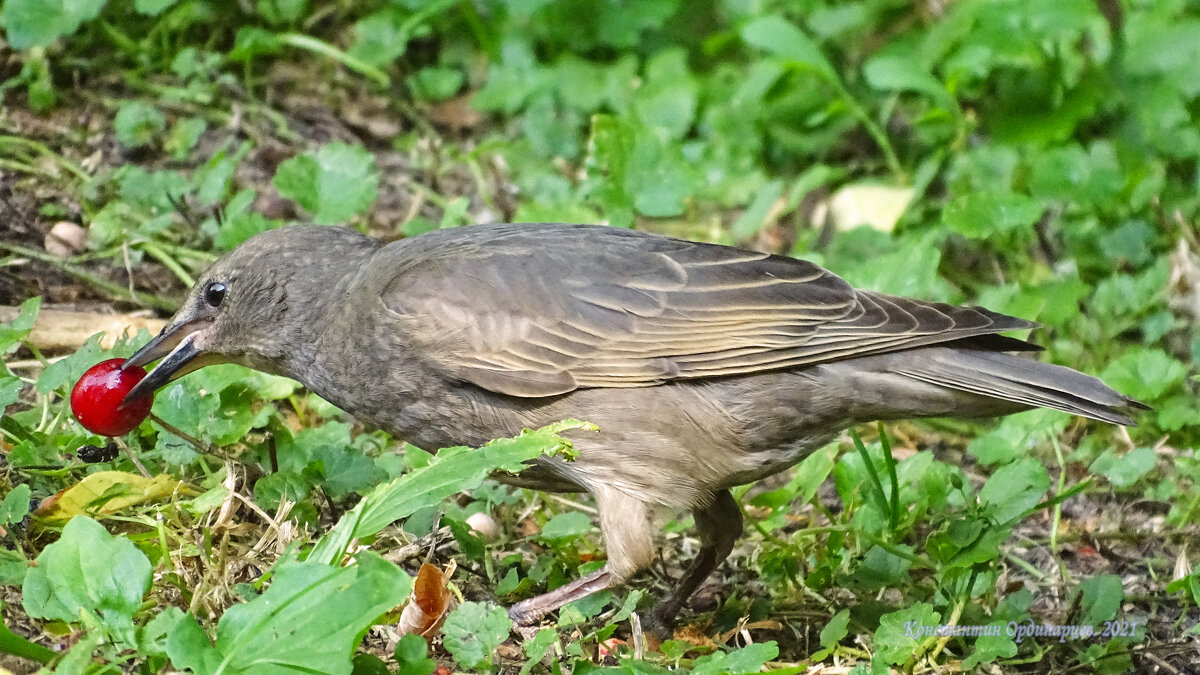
{"x": 528, "y": 613}
{"x": 659, "y": 622}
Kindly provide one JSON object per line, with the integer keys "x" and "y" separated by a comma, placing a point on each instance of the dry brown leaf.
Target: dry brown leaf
{"x": 429, "y": 603}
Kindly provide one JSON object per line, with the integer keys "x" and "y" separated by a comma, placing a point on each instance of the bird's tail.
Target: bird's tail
{"x": 1021, "y": 380}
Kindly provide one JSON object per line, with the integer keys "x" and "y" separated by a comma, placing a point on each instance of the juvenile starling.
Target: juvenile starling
{"x": 704, "y": 366}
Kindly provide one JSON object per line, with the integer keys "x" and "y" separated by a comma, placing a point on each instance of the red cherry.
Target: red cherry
{"x": 96, "y": 399}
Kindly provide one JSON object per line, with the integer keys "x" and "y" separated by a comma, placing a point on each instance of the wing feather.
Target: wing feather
{"x": 542, "y": 310}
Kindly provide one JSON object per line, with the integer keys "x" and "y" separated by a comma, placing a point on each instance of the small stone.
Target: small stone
{"x": 484, "y": 525}
{"x": 65, "y": 239}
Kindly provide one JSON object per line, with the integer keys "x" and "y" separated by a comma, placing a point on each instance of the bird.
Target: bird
{"x": 702, "y": 366}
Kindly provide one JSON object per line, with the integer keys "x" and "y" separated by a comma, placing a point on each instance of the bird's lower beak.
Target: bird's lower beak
{"x": 175, "y": 345}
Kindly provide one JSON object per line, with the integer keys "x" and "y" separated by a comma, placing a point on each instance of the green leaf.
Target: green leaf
{"x": 776, "y": 35}
{"x": 10, "y": 391}
{"x": 1100, "y": 598}
{"x": 633, "y": 168}
{"x": 988, "y": 648}
{"x": 184, "y": 136}
{"x": 893, "y": 72}
{"x": 473, "y": 631}
{"x": 983, "y": 214}
{"x": 381, "y": 37}
{"x": 748, "y": 659}
{"x": 412, "y": 654}
{"x": 754, "y": 217}
{"x": 14, "y": 331}
{"x": 37, "y": 23}
{"x": 436, "y": 84}
{"x": 309, "y": 620}
{"x": 836, "y": 629}
{"x": 452, "y": 470}
{"x": 89, "y": 571}
{"x": 63, "y": 373}
{"x": 567, "y": 525}
{"x": 1144, "y": 373}
{"x": 1178, "y": 412}
{"x": 241, "y": 226}
{"x": 252, "y": 41}
{"x": 15, "y": 505}
{"x": 138, "y": 123}
{"x": 152, "y": 7}
{"x": 1124, "y": 470}
{"x": 1014, "y": 489}
{"x": 899, "y": 632}
{"x": 670, "y": 95}
{"x": 334, "y": 184}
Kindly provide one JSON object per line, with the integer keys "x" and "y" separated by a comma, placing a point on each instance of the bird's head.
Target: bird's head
{"x": 254, "y": 305}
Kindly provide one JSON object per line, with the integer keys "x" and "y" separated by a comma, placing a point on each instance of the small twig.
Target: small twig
{"x": 133, "y": 458}
{"x": 638, "y": 637}
{"x": 113, "y": 290}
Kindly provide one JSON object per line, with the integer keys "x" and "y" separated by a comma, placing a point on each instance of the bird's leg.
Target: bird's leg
{"x": 719, "y": 525}
{"x": 626, "y": 530}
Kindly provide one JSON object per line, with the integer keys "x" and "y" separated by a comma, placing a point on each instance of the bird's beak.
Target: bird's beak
{"x": 176, "y": 346}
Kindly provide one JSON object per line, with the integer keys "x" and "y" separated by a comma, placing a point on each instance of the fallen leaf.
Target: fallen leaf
{"x": 879, "y": 206}
{"x": 429, "y": 603}
{"x": 106, "y": 492}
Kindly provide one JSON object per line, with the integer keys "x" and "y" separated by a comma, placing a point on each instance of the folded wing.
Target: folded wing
{"x": 542, "y": 310}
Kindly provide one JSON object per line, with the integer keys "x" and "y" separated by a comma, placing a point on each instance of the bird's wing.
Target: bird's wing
{"x": 539, "y": 311}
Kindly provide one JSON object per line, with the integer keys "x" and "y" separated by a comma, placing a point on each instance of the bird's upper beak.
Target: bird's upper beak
{"x": 176, "y": 346}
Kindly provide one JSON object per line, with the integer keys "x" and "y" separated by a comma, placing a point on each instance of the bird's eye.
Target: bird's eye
{"x": 214, "y": 293}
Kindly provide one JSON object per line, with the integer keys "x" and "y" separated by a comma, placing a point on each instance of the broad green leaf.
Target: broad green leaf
{"x": 15, "y": 505}
{"x": 334, "y": 184}
{"x": 10, "y": 391}
{"x": 749, "y": 659}
{"x": 473, "y": 631}
{"x": 988, "y": 648}
{"x": 567, "y": 525}
{"x": 37, "y": 23}
{"x": 241, "y": 226}
{"x": 308, "y": 620}
{"x": 137, "y": 123}
{"x": 12, "y": 332}
{"x": 905, "y": 73}
{"x": 64, "y": 373}
{"x": 1144, "y": 373}
{"x": 1014, "y": 489}
{"x": 183, "y": 136}
{"x": 1100, "y": 598}
{"x": 836, "y": 629}
{"x": 900, "y": 632}
{"x": 88, "y": 571}
{"x": 754, "y": 218}
{"x": 1124, "y": 470}
{"x": 381, "y": 37}
{"x": 781, "y": 38}
{"x": 152, "y": 7}
{"x": 670, "y": 95}
{"x": 983, "y": 214}
{"x": 412, "y": 654}
{"x": 452, "y": 470}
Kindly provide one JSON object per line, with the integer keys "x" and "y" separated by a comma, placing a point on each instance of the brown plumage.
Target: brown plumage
{"x": 704, "y": 366}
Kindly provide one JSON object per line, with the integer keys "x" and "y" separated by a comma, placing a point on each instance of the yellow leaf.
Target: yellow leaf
{"x": 108, "y": 492}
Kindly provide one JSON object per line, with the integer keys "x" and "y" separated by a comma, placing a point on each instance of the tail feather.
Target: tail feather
{"x": 1022, "y": 380}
